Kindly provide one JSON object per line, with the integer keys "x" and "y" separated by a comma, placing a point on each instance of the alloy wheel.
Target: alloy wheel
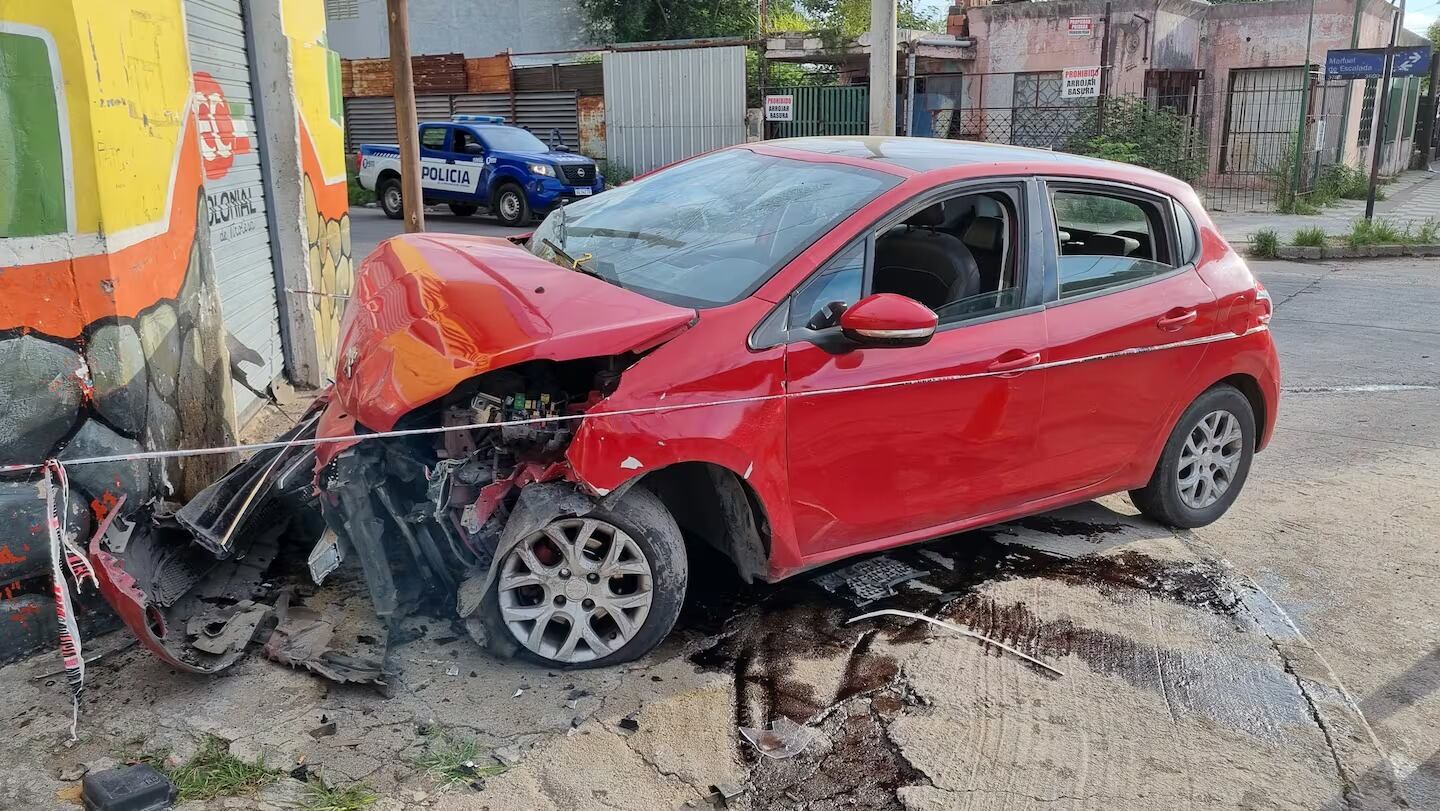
{"x": 392, "y": 198}
{"x": 575, "y": 591}
{"x": 1210, "y": 459}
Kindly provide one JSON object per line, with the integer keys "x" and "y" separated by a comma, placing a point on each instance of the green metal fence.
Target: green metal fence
{"x": 835, "y": 110}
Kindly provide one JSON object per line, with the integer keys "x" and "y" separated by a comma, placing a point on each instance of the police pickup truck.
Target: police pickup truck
{"x": 477, "y": 161}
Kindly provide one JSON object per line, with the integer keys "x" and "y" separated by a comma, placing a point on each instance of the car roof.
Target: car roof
{"x": 931, "y": 154}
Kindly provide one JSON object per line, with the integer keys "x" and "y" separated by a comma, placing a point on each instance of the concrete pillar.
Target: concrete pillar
{"x": 275, "y": 97}
{"x": 883, "y": 16}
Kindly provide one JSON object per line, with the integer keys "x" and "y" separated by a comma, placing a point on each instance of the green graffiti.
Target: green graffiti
{"x": 332, "y": 79}
{"x": 32, "y": 168}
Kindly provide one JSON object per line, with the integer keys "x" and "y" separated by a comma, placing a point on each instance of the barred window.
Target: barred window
{"x": 342, "y": 9}
{"x": 1367, "y": 111}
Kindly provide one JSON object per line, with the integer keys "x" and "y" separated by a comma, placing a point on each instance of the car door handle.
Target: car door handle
{"x": 1176, "y": 318}
{"x": 449, "y": 160}
{"x": 1014, "y": 361}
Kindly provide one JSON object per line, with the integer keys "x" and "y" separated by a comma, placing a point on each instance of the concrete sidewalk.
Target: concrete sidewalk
{"x": 1413, "y": 197}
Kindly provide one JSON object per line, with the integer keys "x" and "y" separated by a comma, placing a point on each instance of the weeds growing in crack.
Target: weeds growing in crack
{"x": 320, "y": 797}
{"x": 214, "y": 772}
{"x": 453, "y": 760}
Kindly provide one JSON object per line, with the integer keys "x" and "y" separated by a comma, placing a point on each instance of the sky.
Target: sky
{"x": 1418, "y": 16}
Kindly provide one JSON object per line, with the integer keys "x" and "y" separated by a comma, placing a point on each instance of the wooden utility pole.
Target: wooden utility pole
{"x": 406, "y": 125}
{"x": 883, "y": 15}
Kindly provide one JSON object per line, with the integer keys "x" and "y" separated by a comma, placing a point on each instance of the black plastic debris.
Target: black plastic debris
{"x": 629, "y": 724}
{"x": 127, "y": 788}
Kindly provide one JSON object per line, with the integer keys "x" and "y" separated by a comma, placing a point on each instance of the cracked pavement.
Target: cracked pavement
{"x": 1287, "y": 657}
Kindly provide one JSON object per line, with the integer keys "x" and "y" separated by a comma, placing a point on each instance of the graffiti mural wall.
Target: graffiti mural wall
{"x": 112, "y": 336}
{"x": 322, "y": 153}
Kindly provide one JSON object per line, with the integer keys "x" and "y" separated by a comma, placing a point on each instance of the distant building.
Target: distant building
{"x": 358, "y": 28}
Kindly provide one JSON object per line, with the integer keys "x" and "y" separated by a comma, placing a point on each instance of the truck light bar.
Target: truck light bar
{"x": 478, "y": 119}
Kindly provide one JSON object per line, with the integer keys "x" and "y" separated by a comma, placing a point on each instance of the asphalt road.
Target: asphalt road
{"x": 1286, "y": 657}
{"x": 370, "y": 226}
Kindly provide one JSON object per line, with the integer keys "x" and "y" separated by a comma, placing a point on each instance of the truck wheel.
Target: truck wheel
{"x": 390, "y": 200}
{"x": 593, "y": 590}
{"x": 463, "y": 209}
{"x": 511, "y": 207}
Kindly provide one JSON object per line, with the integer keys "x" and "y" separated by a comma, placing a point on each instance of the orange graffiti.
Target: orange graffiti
{"x": 103, "y": 505}
{"x": 7, "y": 557}
{"x": 219, "y": 140}
{"x": 59, "y": 298}
{"x": 10, "y": 590}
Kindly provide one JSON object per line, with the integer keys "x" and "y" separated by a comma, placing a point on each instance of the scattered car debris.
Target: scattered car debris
{"x": 784, "y": 738}
{"x": 323, "y": 731}
{"x": 957, "y": 629}
{"x": 127, "y": 788}
{"x": 724, "y": 793}
{"x": 303, "y": 638}
{"x": 865, "y": 581}
{"x": 452, "y": 670}
{"x": 629, "y": 723}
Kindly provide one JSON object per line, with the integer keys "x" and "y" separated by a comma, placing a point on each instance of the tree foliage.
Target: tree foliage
{"x": 647, "y": 20}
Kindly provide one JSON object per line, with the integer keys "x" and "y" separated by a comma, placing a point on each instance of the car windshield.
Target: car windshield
{"x": 708, "y": 231}
{"x": 511, "y": 139}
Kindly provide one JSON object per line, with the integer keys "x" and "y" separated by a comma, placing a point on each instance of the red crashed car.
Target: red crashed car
{"x": 794, "y": 351}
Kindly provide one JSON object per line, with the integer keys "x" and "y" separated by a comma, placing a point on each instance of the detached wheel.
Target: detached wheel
{"x": 1205, "y": 461}
{"x": 600, "y": 589}
{"x": 463, "y": 209}
{"x": 510, "y": 205}
{"x": 391, "y": 202}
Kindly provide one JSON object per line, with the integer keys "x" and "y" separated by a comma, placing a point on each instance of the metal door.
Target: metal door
{"x": 665, "y": 106}
{"x": 230, "y": 145}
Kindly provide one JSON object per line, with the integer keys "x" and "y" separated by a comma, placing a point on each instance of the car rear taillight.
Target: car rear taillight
{"x": 1264, "y": 305}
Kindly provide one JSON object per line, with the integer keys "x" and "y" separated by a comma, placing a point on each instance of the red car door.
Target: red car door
{"x": 873, "y": 462}
{"x": 1123, "y": 322}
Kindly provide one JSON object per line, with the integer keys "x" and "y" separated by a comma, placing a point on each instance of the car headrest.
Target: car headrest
{"x": 1109, "y": 245}
{"x": 929, "y": 216}
{"x": 984, "y": 233}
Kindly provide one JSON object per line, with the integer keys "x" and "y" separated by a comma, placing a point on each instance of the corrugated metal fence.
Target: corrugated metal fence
{"x": 372, "y": 120}
{"x": 663, "y": 106}
{"x": 837, "y": 110}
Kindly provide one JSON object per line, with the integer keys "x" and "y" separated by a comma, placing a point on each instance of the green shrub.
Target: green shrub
{"x": 359, "y": 195}
{"x": 1308, "y": 238}
{"x": 1130, "y": 130}
{"x": 1428, "y": 233}
{"x": 1264, "y": 244}
{"x": 1378, "y": 231}
{"x": 1340, "y": 182}
{"x": 617, "y": 173}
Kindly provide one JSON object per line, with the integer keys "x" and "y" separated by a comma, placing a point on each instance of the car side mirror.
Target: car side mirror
{"x": 888, "y": 319}
{"x": 474, "y": 149}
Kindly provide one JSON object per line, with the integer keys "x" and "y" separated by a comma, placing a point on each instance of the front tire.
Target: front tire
{"x": 1205, "y": 461}
{"x": 594, "y": 590}
{"x": 510, "y": 206}
{"x": 463, "y": 209}
{"x": 391, "y": 200}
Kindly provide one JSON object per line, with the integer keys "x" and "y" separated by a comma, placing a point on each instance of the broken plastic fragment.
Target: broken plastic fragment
{"x": 866, "y": 581}
{"x": 957, "y": 629}
{"x": 784, "y": 738}
{"x": 631, "y": 463}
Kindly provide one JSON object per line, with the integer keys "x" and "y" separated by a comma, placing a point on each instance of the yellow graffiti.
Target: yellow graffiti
{"x": 304, "y": 24}
{"x": 126, "y": 79}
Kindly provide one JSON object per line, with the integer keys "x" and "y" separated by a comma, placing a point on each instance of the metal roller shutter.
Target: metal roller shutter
{"x": 369, "y": 120}
{"x": 230, "y": 147}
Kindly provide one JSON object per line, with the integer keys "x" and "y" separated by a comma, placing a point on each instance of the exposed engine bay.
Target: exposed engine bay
{"x": 421, "y": 515}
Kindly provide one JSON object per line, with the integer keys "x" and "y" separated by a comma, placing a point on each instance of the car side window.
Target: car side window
{"x": 842, "y": 280}
{"x": 465, "y": 143}
{"x": 1189, "y": 239}
{"x": 961, "y": 256}
{"x": 432, "y": 137}
{"x": 1107, "y": 240}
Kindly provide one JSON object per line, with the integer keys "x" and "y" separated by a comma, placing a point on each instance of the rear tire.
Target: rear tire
{"x": 463, "y": 209}
{"x": 510, "y": 206}
{"x": 555, "y": 587}
{"x": 391, "y": 200}
{"x": 1205, "y": 461}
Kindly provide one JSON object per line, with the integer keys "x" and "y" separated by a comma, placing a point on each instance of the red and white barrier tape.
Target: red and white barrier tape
{"x": 63, "y": 546}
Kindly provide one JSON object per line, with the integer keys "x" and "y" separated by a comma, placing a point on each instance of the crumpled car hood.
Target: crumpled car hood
{"x": 429, "y": 311}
